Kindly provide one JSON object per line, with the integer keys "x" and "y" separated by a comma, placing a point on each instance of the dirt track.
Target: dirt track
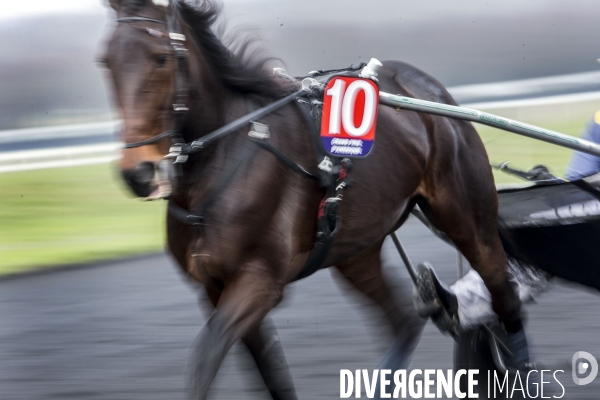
{"x": 123, "y": 330}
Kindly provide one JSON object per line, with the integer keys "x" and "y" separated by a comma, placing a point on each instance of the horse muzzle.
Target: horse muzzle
{"x": 150, "y": 180}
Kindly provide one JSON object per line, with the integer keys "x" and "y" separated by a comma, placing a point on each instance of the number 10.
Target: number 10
{"x": 343, "y": 107}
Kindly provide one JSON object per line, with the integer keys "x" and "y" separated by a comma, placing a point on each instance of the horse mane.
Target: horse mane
{"x": 244, "y": 71}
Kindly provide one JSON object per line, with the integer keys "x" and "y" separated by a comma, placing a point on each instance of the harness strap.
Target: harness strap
{"x": 315, "y": 260}
{"x": 180, "y": 105}
{"x": 329, "y": 221}
{"x": 136, "y": 19}
{"x": 239, "y": 123}
{"x": 247, "y": 153}
{"x": 310, "y": 121}
{"x": 325, "y": 177}
{"x": 321, "y": 72}
{"x": 297, "y": 168}
{"x": 196, "y": 218}
{"x": 151, "y": 140}
{"x": 183, "y": 215}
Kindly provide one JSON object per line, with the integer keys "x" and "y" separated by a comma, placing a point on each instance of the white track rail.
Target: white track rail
{"x": 59, "y": 132}
{"x": 26, "y": 160}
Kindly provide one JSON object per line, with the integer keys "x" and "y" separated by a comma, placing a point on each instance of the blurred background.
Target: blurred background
{"x": 533, "y": 61}
{"x": 62, "y": 204}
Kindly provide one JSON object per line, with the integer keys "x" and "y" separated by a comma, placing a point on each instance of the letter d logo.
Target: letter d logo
{"x": 583, "y": 367}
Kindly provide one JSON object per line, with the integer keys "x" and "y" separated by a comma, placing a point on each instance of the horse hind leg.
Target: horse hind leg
{"x": 470, "y": 221}
{"x": 469, "y": 218}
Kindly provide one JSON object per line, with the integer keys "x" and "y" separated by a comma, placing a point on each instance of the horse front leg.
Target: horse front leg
{"x": 243, "y": 304}
{"x": 265, "y": 348}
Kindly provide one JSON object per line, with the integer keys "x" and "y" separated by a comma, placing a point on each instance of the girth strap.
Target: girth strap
{"x": 329, "y": 220}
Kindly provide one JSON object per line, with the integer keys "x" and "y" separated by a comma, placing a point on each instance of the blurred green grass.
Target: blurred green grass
{"x": 72, "y": 215}
{"x": 522, "y": 152}
{"x": 81, "y": 214}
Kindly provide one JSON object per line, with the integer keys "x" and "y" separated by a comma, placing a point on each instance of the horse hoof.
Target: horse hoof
{"x": 517, "y": 344}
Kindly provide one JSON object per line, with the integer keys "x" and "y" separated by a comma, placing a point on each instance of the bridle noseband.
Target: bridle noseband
{"x": 181, "y": 77}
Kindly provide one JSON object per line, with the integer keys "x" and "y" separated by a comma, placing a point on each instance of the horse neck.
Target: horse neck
{"x": 207, "y": 97}
{"x": 212, "y": 105}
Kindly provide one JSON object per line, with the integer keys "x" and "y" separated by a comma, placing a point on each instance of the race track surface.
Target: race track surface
{"x": 123, "y": 331}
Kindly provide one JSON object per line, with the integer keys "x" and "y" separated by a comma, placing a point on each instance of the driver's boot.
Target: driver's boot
{"x": 434, "y": 299}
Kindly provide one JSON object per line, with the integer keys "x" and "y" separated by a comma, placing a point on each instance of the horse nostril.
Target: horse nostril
{"x": 140, "y": 179}
{"x": 144, "y": 173}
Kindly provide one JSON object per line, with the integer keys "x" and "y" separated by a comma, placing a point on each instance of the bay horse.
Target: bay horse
{"x": 258, "y": 231}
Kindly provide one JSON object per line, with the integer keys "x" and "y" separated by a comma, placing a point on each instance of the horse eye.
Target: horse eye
{"x": 161, "y": 61}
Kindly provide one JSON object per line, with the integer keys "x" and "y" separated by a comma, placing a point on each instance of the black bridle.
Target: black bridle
{"x": 181, "y": 96}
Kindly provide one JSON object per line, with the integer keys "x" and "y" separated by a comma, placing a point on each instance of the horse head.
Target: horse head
{"x": 164, "y": 59}
{"x": 140, "y": 56}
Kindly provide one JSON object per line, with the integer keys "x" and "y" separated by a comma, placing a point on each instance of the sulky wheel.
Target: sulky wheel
{"x": 474, "y": 349}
